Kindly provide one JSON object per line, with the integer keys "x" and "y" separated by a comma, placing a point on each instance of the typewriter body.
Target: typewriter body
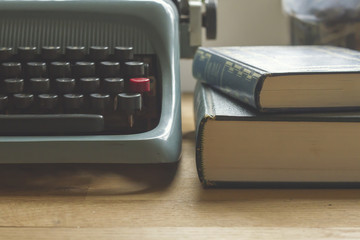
{"x": 89, "y": 82}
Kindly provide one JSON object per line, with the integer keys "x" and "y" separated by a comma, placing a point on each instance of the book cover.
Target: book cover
{"x": 237, "y": 146}
{"x": 283, "y": 78}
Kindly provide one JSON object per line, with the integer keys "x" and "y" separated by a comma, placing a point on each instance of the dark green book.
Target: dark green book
{"x": 237, "y": 146}
{"x": 283, "y": 78}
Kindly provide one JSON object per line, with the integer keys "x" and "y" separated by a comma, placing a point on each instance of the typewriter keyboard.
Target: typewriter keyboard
{"x": 77, "y": 90}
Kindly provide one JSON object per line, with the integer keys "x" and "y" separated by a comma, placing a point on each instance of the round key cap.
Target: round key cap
{"x": 23, "y": 101}
{"x": 75, "y": 53}
{"x": 3, "y": 102}
{"x": 99, "y": 102}
{"x": 139, "y": 85}
{"x": 10, "y": 69}
{"x": 5, "y": 53}
{"x": 14, "y": 85}
{"x": 122, "y": 54}
{"x": 109, "y": 69}
{"x": 89, "y": 85}
{"x": 134, "y": 69}
{"x": 73, "y": 101}
{"x": 113, "y": 85}
{"x": 65, "y": 85}
{"x": 83, "y": 69}
{"x": 50, "y": 53}
{"x": 35, "y": 69}
{"x": 129, "y": 103}
{"x": 39, "y": 85}
{"x": 48, "y": 101}
{"x": 59, "y": 69}
{"x": 98, "y": 53}
{"x": 26, "y": 54}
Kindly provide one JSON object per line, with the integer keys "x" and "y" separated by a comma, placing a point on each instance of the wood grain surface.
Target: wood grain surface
{"x": 124, "y": 201}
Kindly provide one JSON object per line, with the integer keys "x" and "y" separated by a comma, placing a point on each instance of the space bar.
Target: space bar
{"x": 49, "y": 124}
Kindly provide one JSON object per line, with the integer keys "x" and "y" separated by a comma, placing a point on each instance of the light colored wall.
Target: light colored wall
{"x": 243, "y": 23}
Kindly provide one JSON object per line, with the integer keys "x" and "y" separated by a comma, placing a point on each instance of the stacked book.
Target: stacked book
{"x": 277, "y": 116}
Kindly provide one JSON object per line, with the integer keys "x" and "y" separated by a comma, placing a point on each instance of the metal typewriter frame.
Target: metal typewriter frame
{"x": 162, "y": 144}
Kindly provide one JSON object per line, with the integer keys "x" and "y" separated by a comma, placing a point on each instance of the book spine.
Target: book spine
{"x": 235, "y": 79}
{"x": 203, "y": 111}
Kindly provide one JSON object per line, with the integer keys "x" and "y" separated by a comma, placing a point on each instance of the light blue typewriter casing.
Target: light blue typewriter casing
{"x": 150, "y": 26}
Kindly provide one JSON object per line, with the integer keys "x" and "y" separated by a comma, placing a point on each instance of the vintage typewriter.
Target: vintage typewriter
{"x": 92, "y": 81}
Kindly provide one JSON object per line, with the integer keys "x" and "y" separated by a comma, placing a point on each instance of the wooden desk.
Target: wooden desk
{"x": 163, "y": 202}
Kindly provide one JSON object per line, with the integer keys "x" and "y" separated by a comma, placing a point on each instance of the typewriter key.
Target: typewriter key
{"x": 99, "y": 102}
{"x": 5, "y": 54}
{"x": 3, "y": 102}
{"x": 109, "y": 69}
{"x": 23, "y": 101}
{"x": 123, "y": 54}
{"x": 89, "y": 85}
{"x": 59, "y": 69}
{"x": 73, "y": 102}
{"x": 75, "y": 53}
{"x": 50, "y": 53}
{"x": 139, "y": 85}
{"x": 26, "y": 54}
{"x": 35, "y": 69}
{"x": 11, "y": 70}
{"x": 14, "y": 85}
{"x": 98, "y": 54}
{"x": 65, "y": 85}
{"x": 134, "y": 69}
{"x": 39, "y": 85}
{"x": 130, "y": 104}
{"x": 83, "y": 69}
{"x": 48, "y": 102}
{"x": 113, "y": 85}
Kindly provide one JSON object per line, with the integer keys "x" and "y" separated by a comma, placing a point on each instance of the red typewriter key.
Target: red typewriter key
{"x": 139, "y": 85}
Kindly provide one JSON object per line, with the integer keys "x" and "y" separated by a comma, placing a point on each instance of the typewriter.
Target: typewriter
{"x": 90, "y": 81}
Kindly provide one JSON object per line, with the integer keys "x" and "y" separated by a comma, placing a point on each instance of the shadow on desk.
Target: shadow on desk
{"x": 85, "y": 179}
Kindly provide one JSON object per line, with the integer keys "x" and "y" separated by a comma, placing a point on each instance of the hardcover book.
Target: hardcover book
{"x": 283, "y": 78}
{"x": 236, "y": 145}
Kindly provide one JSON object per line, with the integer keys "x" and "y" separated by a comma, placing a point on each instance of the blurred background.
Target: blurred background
{"x": 243, "y": 23}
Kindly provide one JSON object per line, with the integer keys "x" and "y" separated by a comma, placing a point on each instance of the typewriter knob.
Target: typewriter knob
{"x": 209, "y": 19}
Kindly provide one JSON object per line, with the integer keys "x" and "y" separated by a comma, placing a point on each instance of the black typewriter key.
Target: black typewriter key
{"x": 109, "y": 69}
{"x": 73, "y": 102}
{"x": 89, "y": 85}
{"x": 11, "y": 69}
{"x": 75, "y": 53}
{"x": 65, "y": 85}
{"x": 99, "y": 103}
{"x": 130, "y": 104}
{"x": 5, "y": 54}
{"x": 113, "y": 85}
{"x": 59, "y": 69}
{"x": 98, "y": 53}
{"x": 35, "y": 69}
{"x": 83, "y": 69}
{"x": 26, "y": 54}
{"x": 14, "y": 85}
{"x": 39, "y": 85}
{"x": 3, "y": 102}
{"x": 50, "y": 53}
{"x": 48, "y": 102}
{"x": 23, "y": 101}
{"x": 134, "y": 69}
{"x": 123, "y": 53}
